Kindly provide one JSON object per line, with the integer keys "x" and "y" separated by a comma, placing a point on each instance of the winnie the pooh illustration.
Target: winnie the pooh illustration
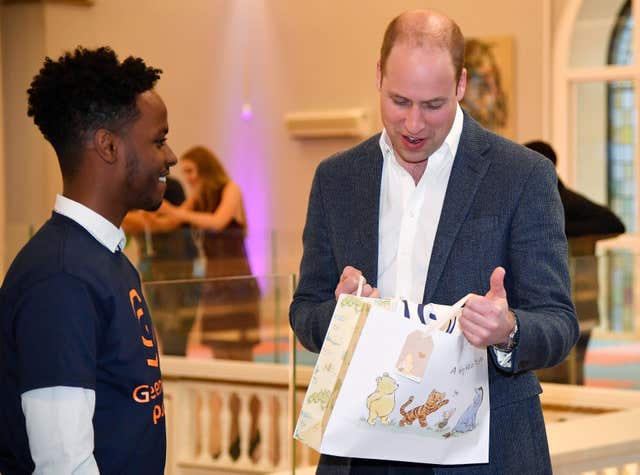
{"x": 382, "y": 401}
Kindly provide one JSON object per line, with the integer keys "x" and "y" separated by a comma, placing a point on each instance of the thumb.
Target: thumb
{"x": 497, "y": 284}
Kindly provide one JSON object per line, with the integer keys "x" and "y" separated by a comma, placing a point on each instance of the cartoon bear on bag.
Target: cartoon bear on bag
{"x": 382, "y": 401}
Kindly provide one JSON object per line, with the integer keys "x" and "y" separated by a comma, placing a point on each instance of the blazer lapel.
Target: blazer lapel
{"x": 367, "y": 175}
{"x": 469, "y": 167}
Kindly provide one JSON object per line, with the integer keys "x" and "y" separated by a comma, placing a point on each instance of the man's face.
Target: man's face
{"x": 147, "y": 155}
{"x": 418, "y": 98}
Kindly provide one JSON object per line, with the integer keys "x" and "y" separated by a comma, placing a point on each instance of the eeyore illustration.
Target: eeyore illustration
{"x": 467, "y": 421}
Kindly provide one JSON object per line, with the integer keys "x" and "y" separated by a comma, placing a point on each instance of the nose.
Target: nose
{"x": 414, "y": 122}
{"x": 171, "y": 157}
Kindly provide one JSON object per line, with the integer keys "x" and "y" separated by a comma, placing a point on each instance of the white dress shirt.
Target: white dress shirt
{"x": 409, "y": 217}
{"x": 59, "y": 419}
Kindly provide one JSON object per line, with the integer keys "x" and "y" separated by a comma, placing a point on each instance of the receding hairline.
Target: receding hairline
{"x": 424, "y": 29}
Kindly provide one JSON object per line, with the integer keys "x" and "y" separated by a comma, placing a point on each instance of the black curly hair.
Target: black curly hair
{"x": 83, "y": 91}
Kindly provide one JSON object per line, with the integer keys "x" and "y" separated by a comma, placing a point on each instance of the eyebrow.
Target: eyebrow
{"x": 394, "y": 95}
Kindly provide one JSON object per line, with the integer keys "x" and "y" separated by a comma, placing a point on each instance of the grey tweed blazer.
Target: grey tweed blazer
{"x": 501, "y": 208}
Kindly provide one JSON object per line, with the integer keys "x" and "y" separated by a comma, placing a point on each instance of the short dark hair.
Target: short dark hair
{"x": 444, "y": 33}
{"x": 83, "y": 91}
{"x": 543, "y": 148}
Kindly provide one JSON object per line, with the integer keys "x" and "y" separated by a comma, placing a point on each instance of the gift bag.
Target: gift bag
{"x": 398, "y": 381}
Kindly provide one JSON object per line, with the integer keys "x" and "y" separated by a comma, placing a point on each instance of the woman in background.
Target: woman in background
{"x": 229, "y": 307}
{"x": 215, "y": 211}
{"x": 215, "y": 203}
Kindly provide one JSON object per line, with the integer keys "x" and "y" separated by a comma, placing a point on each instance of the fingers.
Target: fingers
{"x": 484, "y": 307}
{"x": 349, "y": 281}
{"x": 474, "y": 333}
{"x": 482, "y": 313}
{"x": 496, "y": 284}
{"x": 368, "y": 291}
{"x": 485, "y": 321}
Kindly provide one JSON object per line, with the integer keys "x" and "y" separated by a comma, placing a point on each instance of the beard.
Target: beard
{"x": 143, "y": 187}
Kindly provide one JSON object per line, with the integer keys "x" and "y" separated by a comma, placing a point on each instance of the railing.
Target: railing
{"x": 227, "y": 417}
{"x": 590, "y": 430}
{"x": 236, "y": 417}
{"x": 226, "y": 372}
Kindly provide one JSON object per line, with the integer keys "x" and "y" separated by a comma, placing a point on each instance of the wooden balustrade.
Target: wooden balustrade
{"x": 226, "y": 417}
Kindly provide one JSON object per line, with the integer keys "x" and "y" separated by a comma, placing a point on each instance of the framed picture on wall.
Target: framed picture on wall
{"x": 489, "y": 95}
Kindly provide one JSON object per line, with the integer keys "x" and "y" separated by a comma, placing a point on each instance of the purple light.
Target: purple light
{"x": 249, "y": 169}
{"x": 247, "y": 112}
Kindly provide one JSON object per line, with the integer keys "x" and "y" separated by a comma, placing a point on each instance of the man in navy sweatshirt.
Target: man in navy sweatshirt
{"x": 80, "y": 384}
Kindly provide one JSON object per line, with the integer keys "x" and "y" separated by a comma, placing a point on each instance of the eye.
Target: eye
{"x": 400, "y": 101}
{"x": 161, "y": 142}
{"x": 434, "y": 105}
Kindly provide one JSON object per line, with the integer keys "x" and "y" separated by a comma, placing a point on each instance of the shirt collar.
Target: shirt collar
{"x": 100, "y": 228}
{"x": 451, "y": 141}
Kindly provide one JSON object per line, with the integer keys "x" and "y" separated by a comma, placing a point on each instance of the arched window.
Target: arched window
{"x": 596, "y": 67}
{"x": 621, "y": 124}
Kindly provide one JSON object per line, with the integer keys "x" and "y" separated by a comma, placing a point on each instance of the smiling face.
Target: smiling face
{"x": 147, "y": 157}
{"x": 418, "y": 99}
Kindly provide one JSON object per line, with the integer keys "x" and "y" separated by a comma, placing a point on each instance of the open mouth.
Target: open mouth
{"x": 413, "y": 140}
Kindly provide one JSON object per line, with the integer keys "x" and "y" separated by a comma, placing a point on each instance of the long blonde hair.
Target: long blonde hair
{"x": 212, "y": 174}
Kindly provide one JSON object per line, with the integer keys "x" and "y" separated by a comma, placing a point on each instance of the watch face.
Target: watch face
{"x": 513, "y": 339}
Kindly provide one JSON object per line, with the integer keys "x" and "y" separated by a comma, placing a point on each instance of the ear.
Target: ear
{"x": 378, "y": 76}
{"x": 104, "y": 142}
{"x": 462, "y": 85}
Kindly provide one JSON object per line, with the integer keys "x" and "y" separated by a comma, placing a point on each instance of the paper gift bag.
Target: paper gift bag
{"x": 398, "y": 381}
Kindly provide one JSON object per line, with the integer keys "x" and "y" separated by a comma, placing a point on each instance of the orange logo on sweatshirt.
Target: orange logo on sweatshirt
{"x": 148, "y": 393}
{"x": 147, "y": 336}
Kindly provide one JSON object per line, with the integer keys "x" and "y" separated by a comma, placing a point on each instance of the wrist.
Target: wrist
{"x": 512, "y": 339}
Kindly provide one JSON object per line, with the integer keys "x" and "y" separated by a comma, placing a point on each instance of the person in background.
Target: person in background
{"x": 215, "y": 203}
{"x": 431, "y": 209}
{"x": 215, "y": 211}
{"x": 585, "y": 223}
{"x": 167, "y": 253}
{"x": 229, "y": 307}
{"x": 80, "y": 382}
{"x": 582, "y": 217}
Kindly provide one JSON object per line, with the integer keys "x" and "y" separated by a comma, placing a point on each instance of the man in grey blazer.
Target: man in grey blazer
{"x": 433, "y": 208}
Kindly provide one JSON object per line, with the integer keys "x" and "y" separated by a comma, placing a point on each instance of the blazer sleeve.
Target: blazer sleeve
{"x": 539, "y": 286}
{"x": 314, "y": 299}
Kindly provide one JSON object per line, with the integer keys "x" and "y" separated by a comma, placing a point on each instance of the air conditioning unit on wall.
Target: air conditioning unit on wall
{"x": 328, "y": 124}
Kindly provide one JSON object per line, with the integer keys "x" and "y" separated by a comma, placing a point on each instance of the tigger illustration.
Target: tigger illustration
{"x": 434, "y": 402}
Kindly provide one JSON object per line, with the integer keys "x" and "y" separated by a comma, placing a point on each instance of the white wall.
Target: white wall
{"x": 25, "y": 152}
{"x": 279, "y": 55}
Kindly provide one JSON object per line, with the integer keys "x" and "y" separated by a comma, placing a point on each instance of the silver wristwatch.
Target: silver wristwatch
{"x": 513, "y": 337}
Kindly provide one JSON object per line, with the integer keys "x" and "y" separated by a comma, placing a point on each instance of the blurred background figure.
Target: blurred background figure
{"x": 167, "y": 252}
{"x": 586, "y": 223}
{"x": 215, "y": 212}
{"x": 229, "y": 308}
{"x": 166, "y": 247}
{"x": 582, "y": 216}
